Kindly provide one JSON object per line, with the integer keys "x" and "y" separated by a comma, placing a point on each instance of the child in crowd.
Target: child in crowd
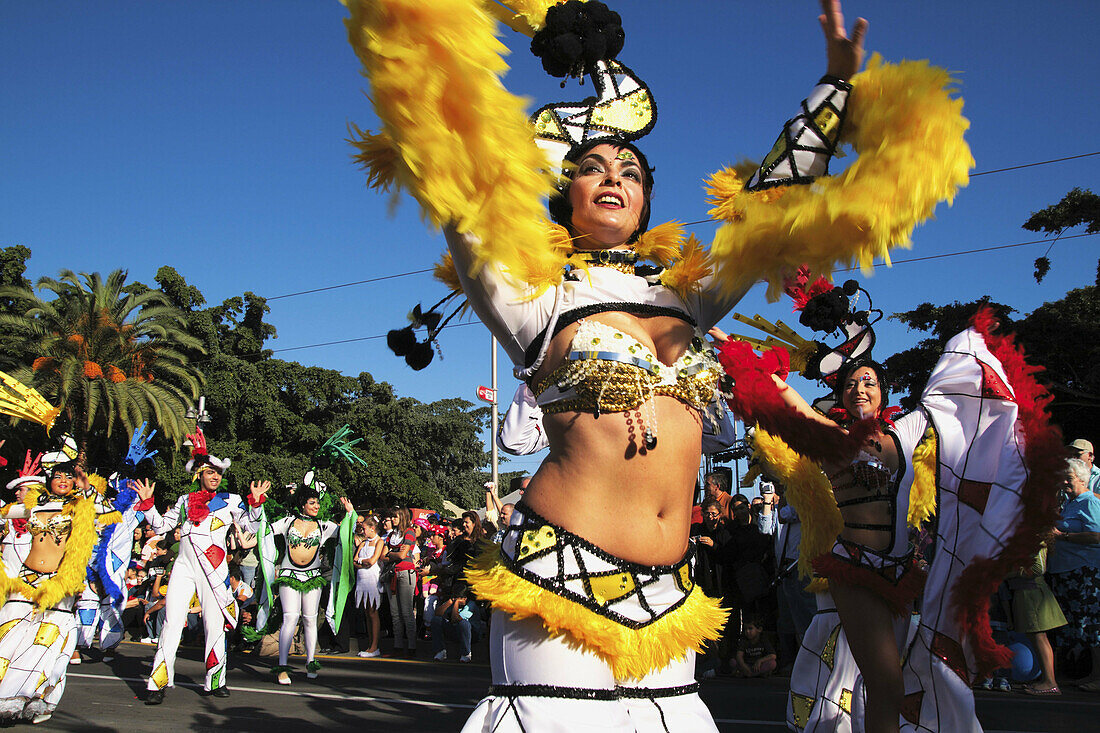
{"x": 755, "y": 654}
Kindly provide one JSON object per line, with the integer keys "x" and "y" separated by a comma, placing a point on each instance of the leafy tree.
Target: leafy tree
{"x": 107, "y": 358}
{"x": 1076, "y": 207}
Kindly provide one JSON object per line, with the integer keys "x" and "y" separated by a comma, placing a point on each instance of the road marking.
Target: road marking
{"x": 292, "y": 693}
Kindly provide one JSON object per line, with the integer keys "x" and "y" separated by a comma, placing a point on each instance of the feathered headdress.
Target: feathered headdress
{"x": 200, "y": 456}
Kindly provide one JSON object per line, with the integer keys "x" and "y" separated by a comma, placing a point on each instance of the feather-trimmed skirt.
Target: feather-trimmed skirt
{"x": 582, "y": 640}
{"x": 35, "y": 647}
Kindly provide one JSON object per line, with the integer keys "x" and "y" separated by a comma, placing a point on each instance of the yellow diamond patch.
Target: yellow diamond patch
{"x": 160, "y": 676}
{"x": 535, "y": 540}
{"x": 801, "y": 706}
{"x": 686, "y": 583}
{"x": 47, "y": 634}
{"x": 4, "y": 666}
{"x": 827, "y": 121}
{"x": 846, "y": 701}
{"x": 608, "y": 588}
{"x": 231, "y": 609}
{"x": 216, "y": 523}
{"x": 828, "y": 654}
{"x": 7, "y": 627}
{"x": 41, "y": 681}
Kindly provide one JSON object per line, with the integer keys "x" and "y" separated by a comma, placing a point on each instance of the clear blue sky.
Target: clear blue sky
{"x": 211, "y": 136}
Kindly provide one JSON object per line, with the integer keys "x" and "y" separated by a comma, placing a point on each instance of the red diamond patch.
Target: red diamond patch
{"x": 211, "y": 660}
{"x": 993, "y": 387}
{"x": 910, "y": 706}
{"x": 215, "y": 555}
{"x": 974, "y": 494}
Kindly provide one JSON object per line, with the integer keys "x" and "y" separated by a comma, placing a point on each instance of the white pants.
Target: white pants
{"x": 187, "y": 580}
{"x": 522, "y": 653}
{"x": 297, "y": 604}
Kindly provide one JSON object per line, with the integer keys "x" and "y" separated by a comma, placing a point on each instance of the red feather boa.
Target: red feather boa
{"x": 756, "y": 399}
{"x": 898, "y": 596}
{"x": 1044, "y": 457}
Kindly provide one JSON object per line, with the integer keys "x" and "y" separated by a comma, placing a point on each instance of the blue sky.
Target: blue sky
{"x": 211, "y": 136}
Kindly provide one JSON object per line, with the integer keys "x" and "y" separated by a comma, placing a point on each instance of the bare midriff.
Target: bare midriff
{"x": 633, "y": 502}
{"x": 303, "y": 555}
{"x": 46, "y": 552}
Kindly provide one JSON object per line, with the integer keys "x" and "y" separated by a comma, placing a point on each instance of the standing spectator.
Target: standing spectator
{"x": 368, "y": 595}
{"x": 461, "y": 549}
{"x": 1035, "y": 611}
{"x": 400, "y": 554}
{"x": 716, "y": 486}
{"x": 713, "y": 542}
{"x": 796, "y": 605}
{"x": 1083, "y": 449}
{"x": 1074, "y": 567}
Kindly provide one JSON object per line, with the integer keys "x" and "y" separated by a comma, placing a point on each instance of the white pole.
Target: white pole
{"x": 496, "y": 414}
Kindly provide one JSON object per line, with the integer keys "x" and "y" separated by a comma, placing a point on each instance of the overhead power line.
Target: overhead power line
{"x": 688, "y": 224}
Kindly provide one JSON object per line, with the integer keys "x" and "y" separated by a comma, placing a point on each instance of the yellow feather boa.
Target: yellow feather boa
{"x": 922, "y": 495}
{"x": 811, "y": 495}
{"x": 71, "y": 573}
{"x": 631, "y": 653}
{"x": 463, "y": 144}
{"x": 908, "y": 131}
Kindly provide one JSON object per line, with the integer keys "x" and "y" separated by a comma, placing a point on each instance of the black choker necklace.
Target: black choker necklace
{"x": 622, "y": 260}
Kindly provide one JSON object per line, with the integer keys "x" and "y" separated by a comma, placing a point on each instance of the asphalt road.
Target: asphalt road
{"x": 419, "y": 695}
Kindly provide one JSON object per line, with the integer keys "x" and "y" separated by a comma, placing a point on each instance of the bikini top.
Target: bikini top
{"x": 607, "y": 370}
{"x": 866, "y": 480}
{"x": 59, "y": 526}
{"x": 295, "y": 539}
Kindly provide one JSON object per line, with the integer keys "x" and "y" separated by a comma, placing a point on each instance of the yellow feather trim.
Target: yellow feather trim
{"x": 108, "y": 518}
{"x": 751, "y": 475}
{"x": 446, "y": 273}
{"x": 631, "y": 653}
{"x": 808, "y": 491}
{"x": 908, "y": 130}
{"x": 71, "y": 573}
{"x": 377, "y": 156}
{"x": 465, "y": 147}
{"x": 922, "y": 495}
{"x": 686, "y": 274}
{"x": 532, "y": 12}
{"x": 662, "y": 244}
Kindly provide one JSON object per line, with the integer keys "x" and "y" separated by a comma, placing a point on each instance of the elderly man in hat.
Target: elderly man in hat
{"x": 1082, "y": 449}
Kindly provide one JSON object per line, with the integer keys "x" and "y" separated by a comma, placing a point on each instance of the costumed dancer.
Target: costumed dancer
{"x": 16, "y": 537}
{"x": 597, "y": 618}
{"x": 38, "y": 629}
{"x": 596, "y": 615}
{"x": 304, "y": 539}
{"x": 205, "y": 514}
{"x": 99, "y": 609}
{"x": 291, "y": 551}
{"x": 972, "y": 464}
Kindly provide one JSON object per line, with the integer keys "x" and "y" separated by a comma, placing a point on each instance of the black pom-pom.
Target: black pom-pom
{"x": 826, "y": 311}
{"x": 576, "y": 36}
{"x": 321, "y": 459}
{"x": 420, "y": 355}
{"x": 851, "y": 287}
{"x": 401, "y": 340}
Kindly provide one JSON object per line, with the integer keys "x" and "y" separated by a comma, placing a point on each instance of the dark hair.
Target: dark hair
{"x": 304, "y": 495}
{"x": 479, "y": 532}
{"x": 848, "y": 369}
{"x": 708, "y": 503}
{"x": 561, "y": 211}
{"x": 739, "y": 499}
{"x": 68, "y": 467}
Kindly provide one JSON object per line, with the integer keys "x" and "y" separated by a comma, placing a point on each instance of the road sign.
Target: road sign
{"x": 487, "y": 394}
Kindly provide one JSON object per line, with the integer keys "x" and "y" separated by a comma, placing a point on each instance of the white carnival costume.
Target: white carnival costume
{"x": 201, "y": 569}
{"x": 38, "y": 628}
{"x": 99, "y": 608}
{"x": 580, "y": 638}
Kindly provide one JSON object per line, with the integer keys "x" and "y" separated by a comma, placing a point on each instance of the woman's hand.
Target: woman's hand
{"x": 347, "y": 505}
{"x": 844, "y": 54}
{"x": 144, "y": 489}
{"x": 706, "y": 541}
{"x": 80, "y": 480}
{"x": 720, "y": 337}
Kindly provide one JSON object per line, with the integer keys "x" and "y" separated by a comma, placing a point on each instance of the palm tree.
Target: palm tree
{"x": 109, "y": 356}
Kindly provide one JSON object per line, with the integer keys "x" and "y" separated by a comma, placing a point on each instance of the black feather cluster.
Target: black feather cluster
{"x": 403, "y": 341}
{"x": 826, "y": 312}
{"x": 576, "y": 35}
